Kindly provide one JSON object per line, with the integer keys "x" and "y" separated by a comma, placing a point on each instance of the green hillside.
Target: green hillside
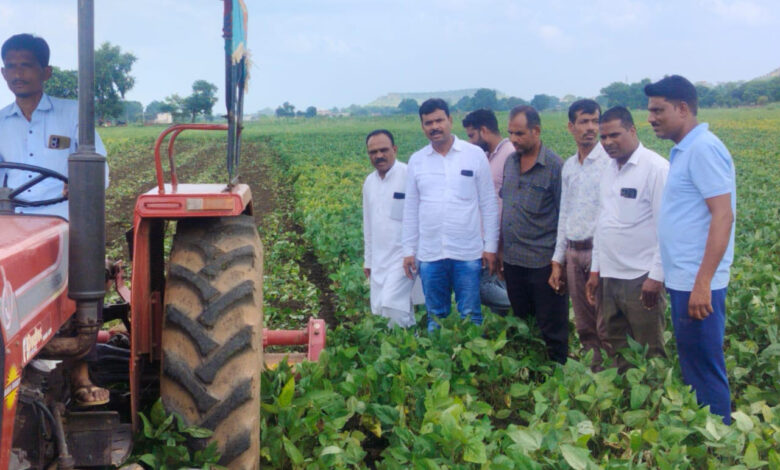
{"x": 451, "y": 96}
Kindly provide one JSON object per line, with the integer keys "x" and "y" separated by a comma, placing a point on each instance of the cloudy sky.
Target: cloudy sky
{"x": 338, "y": 52}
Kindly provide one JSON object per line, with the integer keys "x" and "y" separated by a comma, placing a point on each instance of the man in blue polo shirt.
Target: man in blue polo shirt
{"x": 696, "y": 237}
{"x": 40, "y": 130}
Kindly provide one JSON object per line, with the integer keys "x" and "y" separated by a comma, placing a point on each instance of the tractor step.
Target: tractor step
{"x": 97, "y": 438}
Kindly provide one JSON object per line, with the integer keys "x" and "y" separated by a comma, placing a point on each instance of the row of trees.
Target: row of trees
{"x": 631, "y": 95}
{"x": 199, "y": 104}
{"x": 288, "y": 110}
{"x": 487, "y": 98}
{"x": 113, "y": 81}
{"x": 724, "y": 95}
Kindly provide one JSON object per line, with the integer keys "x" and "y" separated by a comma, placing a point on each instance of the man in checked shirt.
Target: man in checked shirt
{"x": 532, "y": 195}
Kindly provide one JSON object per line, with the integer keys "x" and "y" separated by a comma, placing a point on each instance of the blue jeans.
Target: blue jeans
{"x": 700, "y": 349}
{"x": 440, "y": 278}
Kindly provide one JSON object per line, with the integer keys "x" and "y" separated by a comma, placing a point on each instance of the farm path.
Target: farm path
{"x": 202, "y": 161}
{"x": 272, "y": 192}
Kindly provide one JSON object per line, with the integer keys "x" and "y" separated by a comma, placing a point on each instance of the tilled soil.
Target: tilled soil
{"x": 203, "y": 162}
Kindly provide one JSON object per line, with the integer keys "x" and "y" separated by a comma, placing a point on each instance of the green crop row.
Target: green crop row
{"x": 467, "y": 397}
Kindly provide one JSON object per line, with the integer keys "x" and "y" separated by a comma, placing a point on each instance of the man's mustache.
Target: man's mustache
{"x": 380, "y": 160}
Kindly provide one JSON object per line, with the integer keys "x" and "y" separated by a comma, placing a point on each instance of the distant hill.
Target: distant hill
{"x": 772, "y": 74}
{"x": 452, "y": 97}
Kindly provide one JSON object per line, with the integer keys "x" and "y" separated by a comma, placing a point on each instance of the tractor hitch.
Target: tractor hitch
{"x": 313, "y": 336}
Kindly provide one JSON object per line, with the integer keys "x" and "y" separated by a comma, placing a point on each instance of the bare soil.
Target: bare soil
{"x": 207, "y": 165}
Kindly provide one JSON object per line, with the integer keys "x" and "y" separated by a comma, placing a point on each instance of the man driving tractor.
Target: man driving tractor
{"x": 41, "y": 130}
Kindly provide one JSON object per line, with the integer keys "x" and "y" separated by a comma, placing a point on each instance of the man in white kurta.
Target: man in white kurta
{"x": 392, "y": 293}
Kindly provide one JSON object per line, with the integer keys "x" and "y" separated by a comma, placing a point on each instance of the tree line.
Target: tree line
{"x": 756, "y": 92}
{"x": 113, "y": 80}
{"x": 288, "y": 110}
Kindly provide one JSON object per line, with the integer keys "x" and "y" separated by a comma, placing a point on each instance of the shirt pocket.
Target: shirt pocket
{"x": 466, "y": 185}
{"x": 628, "y": 205}
{"x": 534, "y": 198}
{"x": 397, "y": 206}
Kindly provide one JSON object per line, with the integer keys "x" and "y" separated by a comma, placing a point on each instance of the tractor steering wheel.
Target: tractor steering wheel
{"x": 11, "y": 195}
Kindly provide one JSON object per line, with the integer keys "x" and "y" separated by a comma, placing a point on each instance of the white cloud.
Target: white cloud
{"x": 554, "y": 37}
{"x": 744, "y": 11}
{"x": 308, "y": 43}
{"x": 614, "y": 14}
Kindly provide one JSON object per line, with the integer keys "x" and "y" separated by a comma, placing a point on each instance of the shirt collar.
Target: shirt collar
{"x": 457, "y": 145}
{"x": 597, "y": 152}
{"x": 691, "y": 136}
{"x": 636, "y": 156}
{"x": 503, "y": 142}
{"x": 43, "y": 105}
{"x": 390, "y": 172}
{"x": 388, "y": 175}
{"x": 542, "y": 158}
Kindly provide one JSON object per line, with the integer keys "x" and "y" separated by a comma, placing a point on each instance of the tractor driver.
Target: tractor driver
{"x": 41, "y": 130}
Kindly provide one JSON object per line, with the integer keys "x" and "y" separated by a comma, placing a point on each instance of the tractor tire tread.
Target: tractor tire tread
{"x": 225, "y": 260}
{"x": 217, "y": 307}
{"x": 175, "y": 317}
{"x": 240, "y": 395}
{"x": 235, "y": 447}
{"x": 205, "y": 290}
{"x": 212, "y": 334}
{"x": 239, "y": 342}
{"x": 177, "y": 369}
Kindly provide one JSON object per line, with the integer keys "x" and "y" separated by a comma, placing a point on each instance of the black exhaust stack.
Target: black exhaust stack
{"x": 86, "y": 209}
{"x": 86, "y": 188}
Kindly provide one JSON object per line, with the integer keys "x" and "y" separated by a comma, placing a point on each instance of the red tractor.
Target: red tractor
{"x": 195, "y": 321}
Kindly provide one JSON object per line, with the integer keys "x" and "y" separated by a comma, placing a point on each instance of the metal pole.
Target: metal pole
{"x": 86, "y": 24}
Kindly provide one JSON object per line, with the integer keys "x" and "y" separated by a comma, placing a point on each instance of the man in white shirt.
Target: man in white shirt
{"x": 626, "y": 255}
{"x": 37, "y": 129}
{"x": 571, "y": 260}
{"x": 383, "y": 205}
{"x": 450, "y": 221}
{"x": 40, "y": 130}
{"x": 481, "y": 127}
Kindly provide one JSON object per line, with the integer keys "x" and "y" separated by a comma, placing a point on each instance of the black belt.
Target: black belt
{"x": 580, "y": 245}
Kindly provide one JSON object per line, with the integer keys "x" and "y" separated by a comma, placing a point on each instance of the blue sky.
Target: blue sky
{"x": 338, "y": 52}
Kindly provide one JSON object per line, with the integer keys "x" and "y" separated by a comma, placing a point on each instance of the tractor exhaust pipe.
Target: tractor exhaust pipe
{"x": 86, "y": 173}
{"x": 87, "y": 206}
{"x": 75, "y": 347}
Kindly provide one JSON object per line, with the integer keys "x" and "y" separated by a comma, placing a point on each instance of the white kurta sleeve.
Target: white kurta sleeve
{"x": 410, "y": 226}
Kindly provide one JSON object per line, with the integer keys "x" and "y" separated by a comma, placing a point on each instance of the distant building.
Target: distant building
{"x": 331, "y": 113}
{"x": 163, "y": 118}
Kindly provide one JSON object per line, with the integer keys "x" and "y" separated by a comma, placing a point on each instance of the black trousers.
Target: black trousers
{"x": 530, "y": 295}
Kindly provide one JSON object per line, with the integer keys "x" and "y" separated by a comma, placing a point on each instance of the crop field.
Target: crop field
{"x": 470, "y": 397}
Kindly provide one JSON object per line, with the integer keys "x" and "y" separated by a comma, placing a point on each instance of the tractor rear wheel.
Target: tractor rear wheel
{"x": 212, "y": 333}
